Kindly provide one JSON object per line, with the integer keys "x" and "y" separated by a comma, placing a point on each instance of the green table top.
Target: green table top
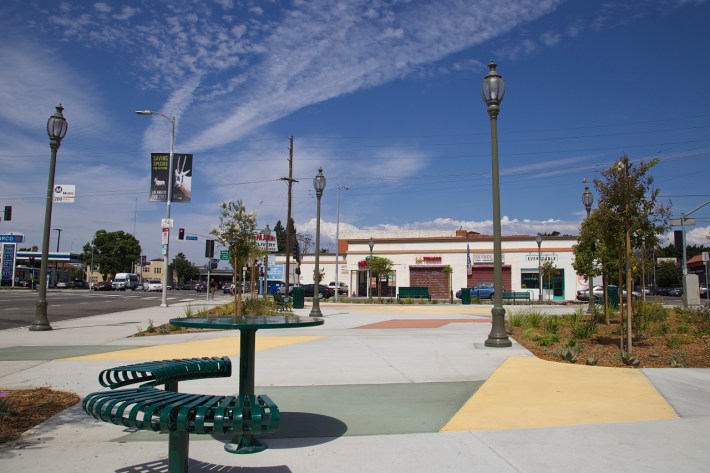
{"x": 247, "y": 323}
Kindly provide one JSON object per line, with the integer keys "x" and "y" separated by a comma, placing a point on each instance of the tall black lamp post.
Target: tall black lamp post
{"x": 492, "y": 91}
{"x": 538, "y": 240}
{"x": 56, "y": 129}
{"x": 319, "y": 186}
{"x": 371, "y": 244}
{"x": 588, "y": 200}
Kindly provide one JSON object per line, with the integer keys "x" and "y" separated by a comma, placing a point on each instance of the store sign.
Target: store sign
{"x": 428, "y": 260}
{"x": 533, "y": 257}
{"x": 485, "y": 258}
{"x": 263, "y": 245}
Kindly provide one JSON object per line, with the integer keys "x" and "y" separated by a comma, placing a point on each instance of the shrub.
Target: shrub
{"x": 516, "y": 319}
{"x": 677, "y": 359}
{"x": 645, "y": 314}
{"x": 584, "y": 329}
{"x": 551, "y": 324}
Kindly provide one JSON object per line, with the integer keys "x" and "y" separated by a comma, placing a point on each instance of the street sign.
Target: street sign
{"x": 166, "y": 236}
{"x": 165, "y": 249}
{"x": 191, "y": 237}
{"x": 166, "y": 223}
{"x": 677, "y": 222}
{"x": 64, "y": 194}
{"x": 224, "y": 255}
{"x": 12, "y": 238}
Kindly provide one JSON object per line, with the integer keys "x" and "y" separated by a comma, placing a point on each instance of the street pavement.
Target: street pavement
{"x": 377, "y": 388}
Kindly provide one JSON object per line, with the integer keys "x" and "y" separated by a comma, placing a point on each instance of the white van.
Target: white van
{"x": 124, "y": 281}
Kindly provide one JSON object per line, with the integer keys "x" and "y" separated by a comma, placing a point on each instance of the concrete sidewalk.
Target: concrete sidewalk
{"x": 376, "y": 388}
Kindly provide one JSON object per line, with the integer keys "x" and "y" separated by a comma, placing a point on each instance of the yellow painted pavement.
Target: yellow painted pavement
{"x": 223, "y": 346}
{"x": 526, "y": 392}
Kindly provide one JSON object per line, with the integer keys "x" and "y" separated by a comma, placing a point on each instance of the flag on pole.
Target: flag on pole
{"x": 469, "y": 267}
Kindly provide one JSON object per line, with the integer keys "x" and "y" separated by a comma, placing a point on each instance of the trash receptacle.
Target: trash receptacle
{"x": 613, "y": 293}
{"x": 466, "y": 295}
{"x": 297, "y": 297}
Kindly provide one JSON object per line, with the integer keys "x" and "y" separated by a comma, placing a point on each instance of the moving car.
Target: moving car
{"x": 124, "y": 281}
{"x": 200, "y": 287}
{"x": 153, "y": 285}
{"x": 102, "y": 286}
{"x": 482, "y": 290}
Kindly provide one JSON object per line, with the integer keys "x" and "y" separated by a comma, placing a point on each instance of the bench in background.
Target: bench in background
{"x": 517, "y": 296}
{"x": 413, "y": 292}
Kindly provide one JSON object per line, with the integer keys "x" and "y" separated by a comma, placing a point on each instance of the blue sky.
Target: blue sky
{"x": 384, "y": 95}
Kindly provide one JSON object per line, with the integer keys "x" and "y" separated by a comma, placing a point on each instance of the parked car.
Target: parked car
{"x": 102, "y": 286}
{"x": 583, "y": 295}
{"x": 342, "y": 287}
{"x": 703, "y": 290}
{"x": 200, "y": 287}
{"x": 228, "y": 288}
{"x": 324, "y": 291}
{"x": 282, "y": 289}
{"x": 79, "y": 284}
{"x": 152, "y": 285}
{"x": 482, "y": 290}
{"x": 62, "y": 285}
{"x": 676, "y": 291}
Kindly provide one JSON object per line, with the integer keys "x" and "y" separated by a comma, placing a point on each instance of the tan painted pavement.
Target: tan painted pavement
{"x": 530, "y": 393}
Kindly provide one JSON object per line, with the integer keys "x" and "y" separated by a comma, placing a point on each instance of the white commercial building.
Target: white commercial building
{"x": 423, "y": 259}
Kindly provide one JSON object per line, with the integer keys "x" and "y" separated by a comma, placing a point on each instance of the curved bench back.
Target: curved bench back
{"x": 152, "y": 373}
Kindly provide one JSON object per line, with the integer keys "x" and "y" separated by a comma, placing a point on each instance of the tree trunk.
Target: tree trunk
{"x": 621, "y": 311}
{"x": 606, "y": 299}
{"x": 629, "y": 328}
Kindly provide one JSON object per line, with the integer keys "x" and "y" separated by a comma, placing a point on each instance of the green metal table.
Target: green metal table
{"x": 247, "y": 326}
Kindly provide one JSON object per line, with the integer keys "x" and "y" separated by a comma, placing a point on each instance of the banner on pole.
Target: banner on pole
{"x": 181, "y": 177}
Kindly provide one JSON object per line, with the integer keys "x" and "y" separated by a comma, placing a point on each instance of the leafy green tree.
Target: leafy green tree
{"x": 236, "y": 231}
{"x": 379, "y": 267}
{"x": 629, "y": 216}
{"x": 114, "y": 252}
{"x": 548, "y": 269}
{"x": 668, "y": 275}
{"x": 280, "y": 233}
{"x": 184, "y": 269}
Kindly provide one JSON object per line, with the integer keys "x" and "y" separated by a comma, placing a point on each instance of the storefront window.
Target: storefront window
{"x": 529, "y": 280}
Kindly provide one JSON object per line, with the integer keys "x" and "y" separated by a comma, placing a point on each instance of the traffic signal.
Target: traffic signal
{"x": 8, "y": 213}
{"x": 181, "y": 234}
{"x": 209, "y": 248}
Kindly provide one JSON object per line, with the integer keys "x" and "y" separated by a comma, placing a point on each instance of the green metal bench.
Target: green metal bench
{"x": 282, "y": 302}
{"x": 413, "y": 292}
{"x": 516, "y": 296}
{"x": 180, "y": 414}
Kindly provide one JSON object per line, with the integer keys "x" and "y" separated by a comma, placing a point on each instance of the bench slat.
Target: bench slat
{"x": 164, "y": 371}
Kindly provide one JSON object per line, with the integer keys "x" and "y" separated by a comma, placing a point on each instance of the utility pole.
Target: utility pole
{"x": 289, "y": 230}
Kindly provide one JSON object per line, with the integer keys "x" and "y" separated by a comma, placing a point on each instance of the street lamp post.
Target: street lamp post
{"x": 168, "y": 201}
{"x": 56, "y": 262}
{"x": 492, "y": 91}
{"x": 319, "y": 186}
{"x": 337, "y": 239}
{"x": 538, "y": 240}
{"x": 267, "y": 235}
{"x": 588, "y": 200}
{"x": 371, "y": 244}
{"x": 56, "y": 129}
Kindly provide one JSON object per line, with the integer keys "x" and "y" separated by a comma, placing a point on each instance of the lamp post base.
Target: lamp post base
{"x": 498, "y": 338}
{"x": 40, "y": 324}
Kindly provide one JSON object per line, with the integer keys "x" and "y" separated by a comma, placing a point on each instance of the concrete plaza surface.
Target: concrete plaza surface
{"x": 377, "y": 388}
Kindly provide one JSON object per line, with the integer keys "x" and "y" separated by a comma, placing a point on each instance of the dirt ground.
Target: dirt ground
{"x": 652, "y": 351}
